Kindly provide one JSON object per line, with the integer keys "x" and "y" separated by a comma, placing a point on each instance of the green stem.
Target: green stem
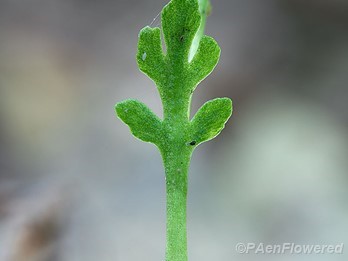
{"x": 176, "y": 168}
{"x": 190, "y": 57}
{"x": 176, "y": 156}
{"x": 204, "y": 8}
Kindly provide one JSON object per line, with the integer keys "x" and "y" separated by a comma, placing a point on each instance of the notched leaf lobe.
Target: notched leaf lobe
{"x": 150, "y": 55}
{"x": 180, "y": 22}
{"x": 143, "y": 123}
{"x": 205, "y": 59}
{"x": 210, "y": 119}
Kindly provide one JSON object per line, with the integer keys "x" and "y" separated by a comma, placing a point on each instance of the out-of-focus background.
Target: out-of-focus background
{"x": 74, "y": 183}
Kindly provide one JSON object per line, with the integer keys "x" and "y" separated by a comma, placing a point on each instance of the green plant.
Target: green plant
{"x": 190, "y": 57}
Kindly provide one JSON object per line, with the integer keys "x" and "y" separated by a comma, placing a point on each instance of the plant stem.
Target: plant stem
{"x": 190, "y": 57}
{"x": 176, "y": 168}
{"x": 204, "y": 9}
{"x": 176, "y": 160}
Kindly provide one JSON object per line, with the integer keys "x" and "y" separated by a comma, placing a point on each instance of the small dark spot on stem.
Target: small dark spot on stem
{"x": 181, "y": 38}
{"x": 192, "y": 143}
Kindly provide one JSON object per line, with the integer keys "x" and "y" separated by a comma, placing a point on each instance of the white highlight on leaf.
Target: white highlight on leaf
{"x": 144, "y": 56}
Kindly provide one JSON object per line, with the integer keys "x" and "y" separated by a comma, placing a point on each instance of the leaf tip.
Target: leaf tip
{"x": 120, "y": 109}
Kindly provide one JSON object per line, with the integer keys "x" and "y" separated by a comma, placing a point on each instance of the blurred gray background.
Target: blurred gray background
{"x": 74, "y": 183}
